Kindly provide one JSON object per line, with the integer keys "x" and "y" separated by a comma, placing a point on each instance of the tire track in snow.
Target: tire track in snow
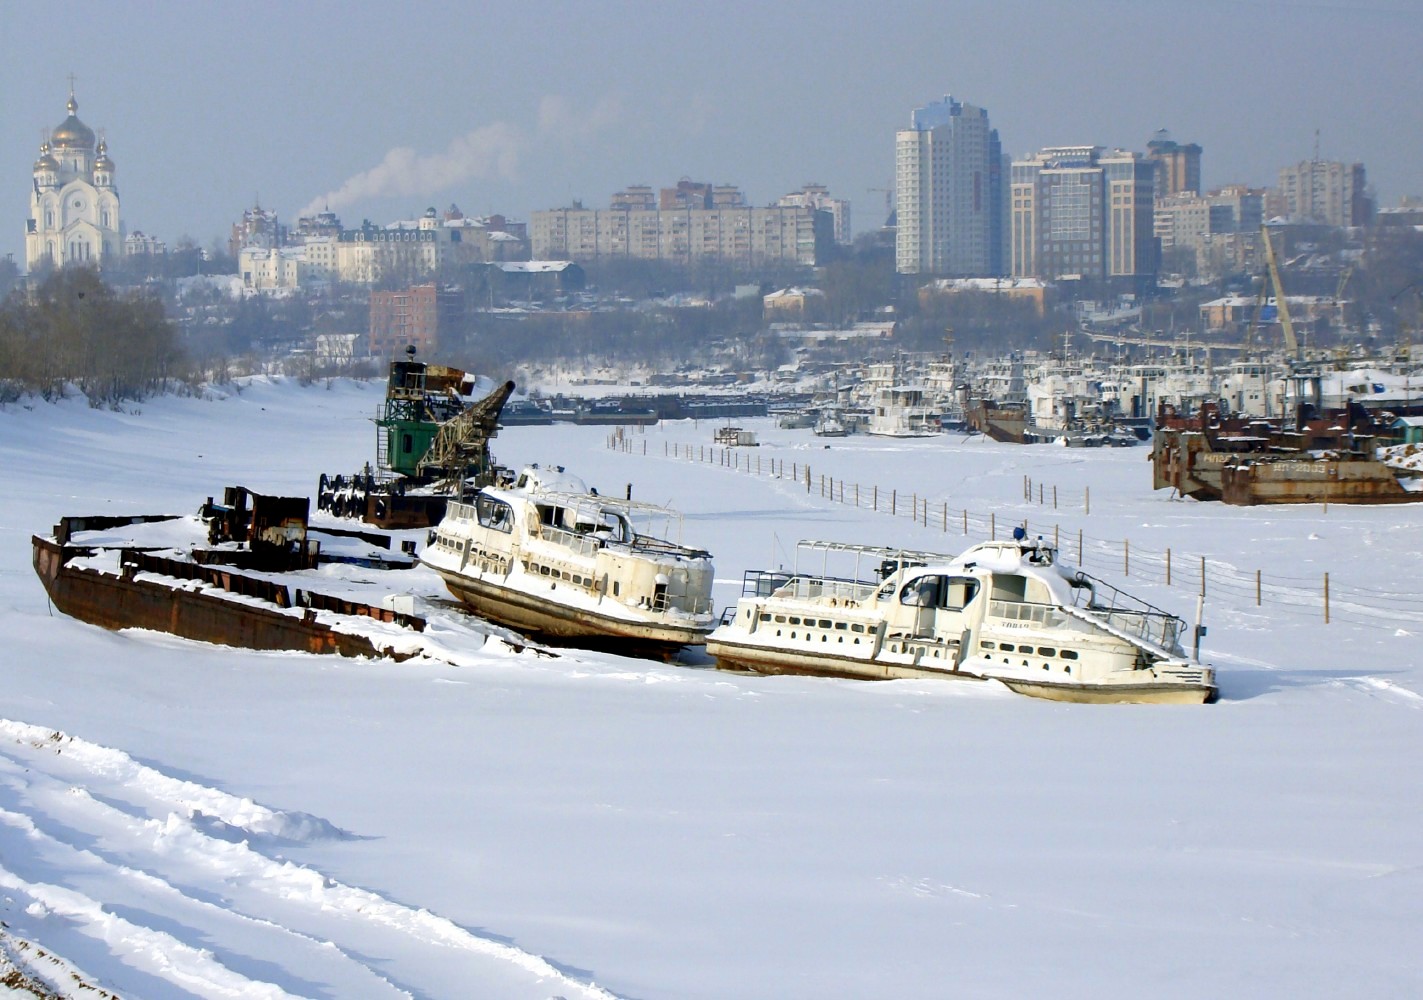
{"x": 200, "y": 839}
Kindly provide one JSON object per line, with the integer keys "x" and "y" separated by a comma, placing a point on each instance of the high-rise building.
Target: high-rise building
{"x": 1081, "y": 212}
{"x": 1178, "y": 167}
{"x": 950, "y": 189}
{"x": 817, "y": 196}
{"x": 74, "y": 204}
{"x": 1324, "y": 191}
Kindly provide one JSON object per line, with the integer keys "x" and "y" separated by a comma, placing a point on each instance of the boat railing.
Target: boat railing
{"x": 763, "y": 582}
{"x": 1122, "y": 611}
{"x": 826, "y": 589}
{"x": 661, "y": 546}
{"x": 1041, "y": 615}
{"x": 576, "y": 542}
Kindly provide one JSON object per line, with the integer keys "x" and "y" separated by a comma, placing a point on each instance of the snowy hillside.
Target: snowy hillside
{"x": 182, "y": 820}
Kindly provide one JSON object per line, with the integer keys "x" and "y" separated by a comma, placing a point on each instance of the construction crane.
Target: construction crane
{"x": 1291, "y": 344}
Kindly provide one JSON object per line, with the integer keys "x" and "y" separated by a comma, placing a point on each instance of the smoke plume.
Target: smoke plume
{"x": 485, "y": 153}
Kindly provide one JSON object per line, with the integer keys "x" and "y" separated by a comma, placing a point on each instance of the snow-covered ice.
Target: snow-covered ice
{"x": 184, "y": 820}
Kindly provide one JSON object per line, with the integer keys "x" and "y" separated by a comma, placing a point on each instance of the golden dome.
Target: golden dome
{"x": 72, "y": 133}
{"x": 103, "y": 162}
{"x": 46, "y": 160}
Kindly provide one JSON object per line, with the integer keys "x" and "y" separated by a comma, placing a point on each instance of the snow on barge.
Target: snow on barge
{"x": 244, "y": 573}
{"x": 550, "y": 557}
{"x": 1002, "y": 610}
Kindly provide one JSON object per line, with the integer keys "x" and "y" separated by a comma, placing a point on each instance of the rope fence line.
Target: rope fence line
{"x": 1309, "y": 597}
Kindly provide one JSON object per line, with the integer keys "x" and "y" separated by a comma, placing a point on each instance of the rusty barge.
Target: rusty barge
{"x": 1246, "y": 461}
{"x": 242, "y": 573}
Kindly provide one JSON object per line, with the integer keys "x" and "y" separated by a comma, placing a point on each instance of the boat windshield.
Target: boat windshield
{"x": 494, "y": 514}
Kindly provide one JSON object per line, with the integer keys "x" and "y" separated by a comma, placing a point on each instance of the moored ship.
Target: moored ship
{"x": 1002, "y": 610}
{"x": 550, "y": 557}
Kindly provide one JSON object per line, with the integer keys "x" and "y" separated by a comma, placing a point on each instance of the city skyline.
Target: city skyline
{"x": 207, "y": 111}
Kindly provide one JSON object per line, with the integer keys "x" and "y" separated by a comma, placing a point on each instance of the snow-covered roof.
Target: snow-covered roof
{"x": 533, "y": 266}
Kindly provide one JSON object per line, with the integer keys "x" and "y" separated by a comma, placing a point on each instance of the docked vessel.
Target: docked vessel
{"x": 250, "y": 572}
{"x": 1246, "y": 461}
{"x": 550, "y": 557}
{"x": 1002, "y": 610}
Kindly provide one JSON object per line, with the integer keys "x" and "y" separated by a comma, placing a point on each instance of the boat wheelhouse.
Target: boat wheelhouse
{"x": 552, "y": 558}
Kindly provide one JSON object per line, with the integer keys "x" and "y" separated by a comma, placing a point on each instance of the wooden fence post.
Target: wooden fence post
{"x": 1168, "y": 567}
{"x": 1087, "y": 499}
{"x": 1326, "y": 598}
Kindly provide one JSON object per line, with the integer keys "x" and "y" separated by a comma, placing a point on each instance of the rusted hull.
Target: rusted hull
{"x": 118, "y": 602}
{"x": 550, "y": 620}
{"x": 1186, "y": 463}
{"x": 1312, "y": 481}
{"x": 1006, "y": 424}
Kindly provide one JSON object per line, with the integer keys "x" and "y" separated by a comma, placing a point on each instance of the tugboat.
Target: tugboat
{"x": 1002, "y": 610}
{"x": 552, "y": 558}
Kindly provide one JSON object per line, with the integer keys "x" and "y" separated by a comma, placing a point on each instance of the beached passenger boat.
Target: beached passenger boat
{"x": 1002, "y": 610}
{"x": 550, "y": 557}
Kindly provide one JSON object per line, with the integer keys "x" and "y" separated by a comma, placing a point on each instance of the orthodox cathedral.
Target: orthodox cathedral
{"x": 74, "y": 205}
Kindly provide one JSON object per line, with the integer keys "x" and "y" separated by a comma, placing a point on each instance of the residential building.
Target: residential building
{"x": 704, "y": 224}
{"x": 412, "y": 316}
{"x": 1324, "y": 191}
{"x": 1013, "y": 289}
{"x": 817, "y": 196}
{"x": 258, "y": 227}
{"x": 139, "y": 243}
{"x": 265, "y": 269}
{"x": 1177, "y": 166}
{"x": 74, "y": 203}
{"x": 1079, "y": 212}
{"x": 1212, "y": 234}
{"x": 951, "y": 192}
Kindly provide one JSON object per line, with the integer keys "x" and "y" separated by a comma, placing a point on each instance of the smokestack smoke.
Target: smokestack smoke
{"x": 487, "y": 152}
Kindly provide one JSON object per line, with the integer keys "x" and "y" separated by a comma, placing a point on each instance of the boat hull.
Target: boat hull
{"x": 759, "y": 659}
{"x": 119, "y": 602}
{"x": 546, "y": 619}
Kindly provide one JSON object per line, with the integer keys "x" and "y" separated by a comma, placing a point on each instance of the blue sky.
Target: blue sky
{"x": 516, "y": 107}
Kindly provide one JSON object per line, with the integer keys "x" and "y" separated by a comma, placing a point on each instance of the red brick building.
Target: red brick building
{"x": 409, "y": 316}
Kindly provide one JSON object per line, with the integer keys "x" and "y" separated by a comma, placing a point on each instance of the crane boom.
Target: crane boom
{"x": 1291, "y": 344}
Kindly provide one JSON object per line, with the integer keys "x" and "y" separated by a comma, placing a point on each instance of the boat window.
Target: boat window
{"x": 1007, "y": 647}
{"x": 988, "y": 644}
{"x": 1009, "y": 586}
{"x": 1046, "y": 651}
{"x": 841, "y": 626}
{"x": 921, "y": 592}
{"x": 494, "y": 514}
{"x": 825, "y": 623}
{"x": 1069, "y": 654}
{"x": 960, "y": 592}
{"x": 795, "y": 620}
{"x": 857, "y": 627}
